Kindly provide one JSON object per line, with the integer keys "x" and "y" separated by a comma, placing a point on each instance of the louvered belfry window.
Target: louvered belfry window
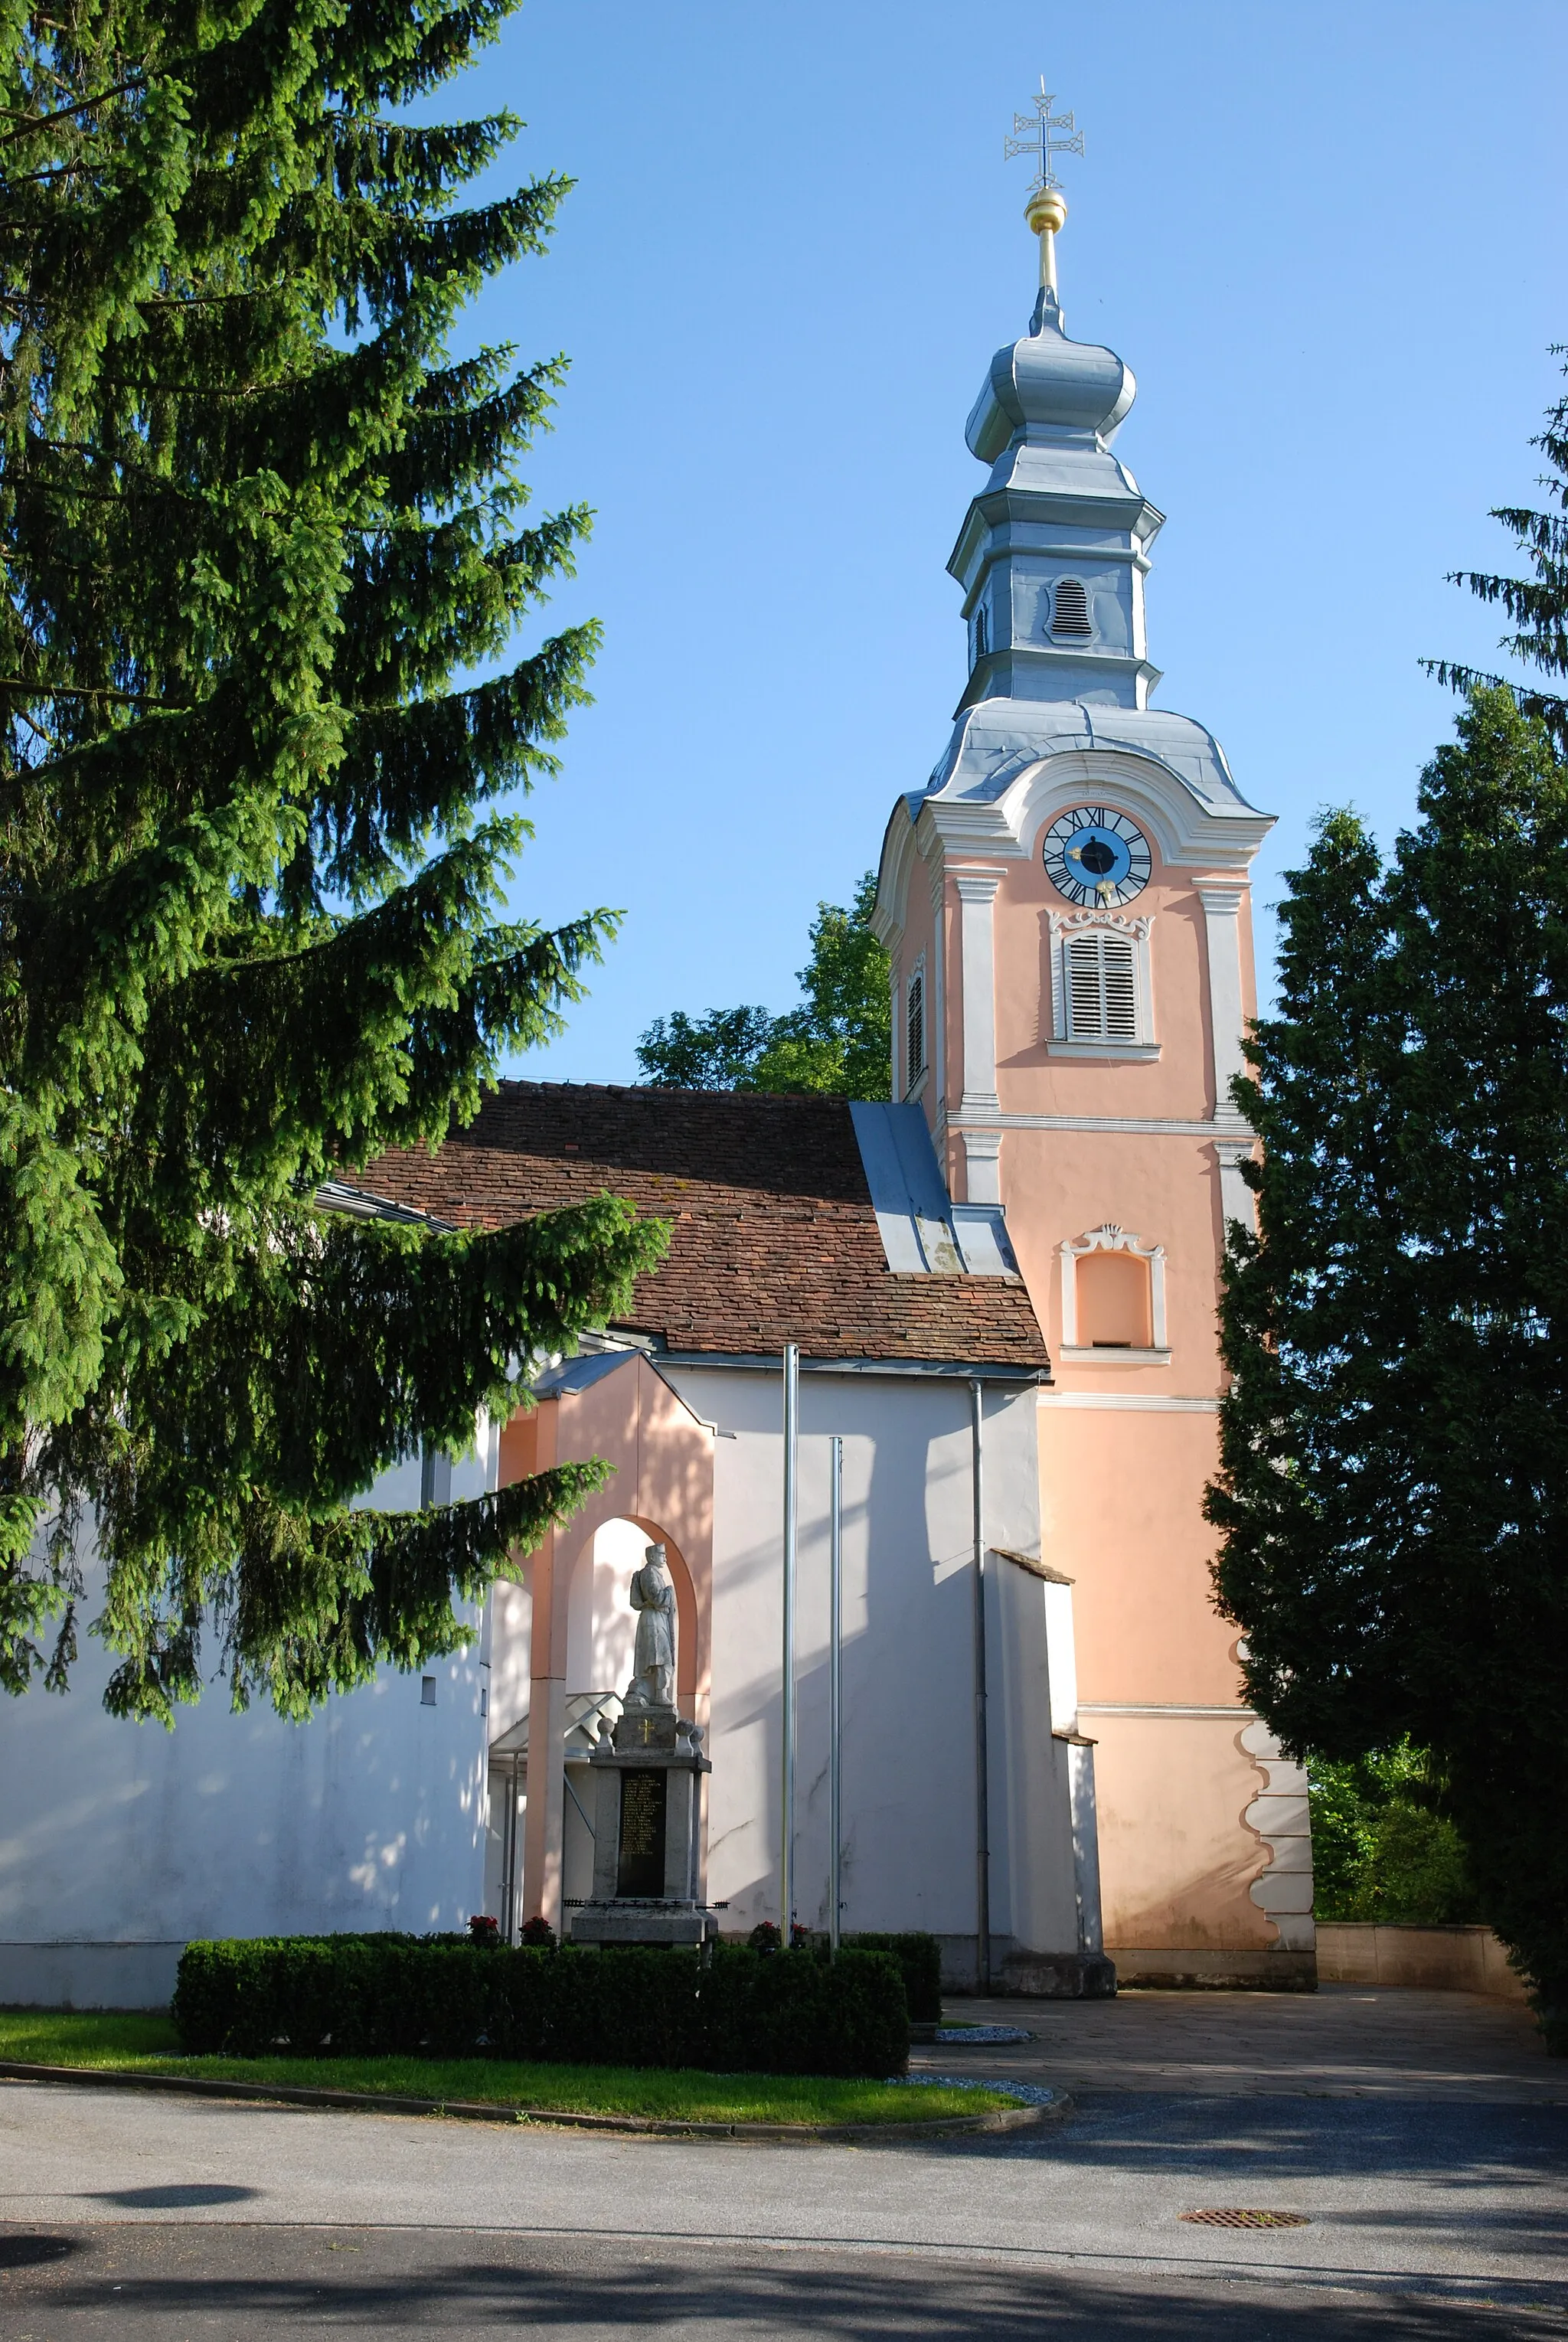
{"x": 1102, "y": 987}
{"x": 914, "y": 1030}
{"x": 1070, "y": 608}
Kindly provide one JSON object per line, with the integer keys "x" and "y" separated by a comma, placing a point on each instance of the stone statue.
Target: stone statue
{"x": 653, "y": 1683}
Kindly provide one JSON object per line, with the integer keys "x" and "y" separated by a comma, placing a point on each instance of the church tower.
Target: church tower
{"x": 1067, "y": 905}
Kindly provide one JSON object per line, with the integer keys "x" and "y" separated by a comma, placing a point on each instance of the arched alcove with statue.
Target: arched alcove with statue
{"x": 606, "y": 1639}
{"x": 612, "y": 1405}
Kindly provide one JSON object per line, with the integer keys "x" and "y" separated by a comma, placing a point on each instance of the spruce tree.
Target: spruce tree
{"x": 262, "y": 534}
{"x": 1537, "y": 606}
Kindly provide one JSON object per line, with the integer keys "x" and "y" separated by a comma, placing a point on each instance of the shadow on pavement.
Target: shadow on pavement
{"x": 179, "y": 2195}
{"x": 20, "y": 2248}
{"x": 157, "y": 2280}
{"x": 1302, "y": 2137}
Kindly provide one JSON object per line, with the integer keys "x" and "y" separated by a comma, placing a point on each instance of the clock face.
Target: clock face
{"x": 1096, "y": 857}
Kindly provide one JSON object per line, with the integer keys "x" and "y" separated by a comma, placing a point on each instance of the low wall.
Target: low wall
{"x": 1443, "y": 1959}
{"x": 87, "y": 1976}
{"x": 1185, "y": 1968}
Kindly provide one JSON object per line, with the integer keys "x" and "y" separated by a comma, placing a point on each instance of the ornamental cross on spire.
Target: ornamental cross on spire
{"x": 1032, "y": 135}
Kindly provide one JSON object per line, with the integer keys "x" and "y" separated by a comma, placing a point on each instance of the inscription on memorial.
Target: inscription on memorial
{"x": 640, "y": 1869}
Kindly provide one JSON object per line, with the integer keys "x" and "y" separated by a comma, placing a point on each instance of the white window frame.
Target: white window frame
{"x": 1109, "y": 1237}
{"x": 912, "y": 1089}
{"x": 1065, "y": 925}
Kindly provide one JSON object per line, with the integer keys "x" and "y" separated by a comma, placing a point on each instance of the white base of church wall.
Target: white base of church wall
{"x": 1019, "y": 1973}
{"x": 87, "y": 1976}
{"x": 124, "y": 1841}
{"x": 1184, "y": 1967}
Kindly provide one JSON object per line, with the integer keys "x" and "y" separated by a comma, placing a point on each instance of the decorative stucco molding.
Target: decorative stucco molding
{"x": 1148, "y": 1401}
{"x": 977, "y": 891}
{"x": 936, "y": 988}
{"x": 1064, "y": 926}
{"x": 982, "y": 1165}
{"x": 1134, "y": 1126}
{"x": 1237, "y": 1201}
{"x": 1221, "y": 903}
{"x": 1197, "y": 821}
{"x": 1109, "y": 1237}
{"x": 1279, "y": 1814}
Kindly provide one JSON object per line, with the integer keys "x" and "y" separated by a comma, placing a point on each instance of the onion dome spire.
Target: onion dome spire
{"x": 1053, "y": 554}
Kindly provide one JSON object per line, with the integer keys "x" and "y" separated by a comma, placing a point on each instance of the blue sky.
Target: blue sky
{"x": 1328, "y": 240}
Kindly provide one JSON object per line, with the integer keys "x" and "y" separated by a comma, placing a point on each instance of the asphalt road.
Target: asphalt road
{"x": 1429, "y": 2215}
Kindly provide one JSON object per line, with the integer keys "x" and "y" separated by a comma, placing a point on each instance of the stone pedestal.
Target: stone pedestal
{"x": 647, "y": 1838}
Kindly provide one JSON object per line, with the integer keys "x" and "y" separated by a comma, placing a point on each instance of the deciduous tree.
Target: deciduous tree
{"x": 837, "y": 1041}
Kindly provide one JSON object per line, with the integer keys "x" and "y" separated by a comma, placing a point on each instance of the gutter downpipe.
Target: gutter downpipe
{"x": 510, "y": 1856}
{"x": 786, "y": 1714}
{"x": 835, "y": 1693}
{"x": 982, "y": 1736}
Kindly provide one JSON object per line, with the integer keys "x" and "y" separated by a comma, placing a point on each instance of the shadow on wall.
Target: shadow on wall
{"x": 1173, "y": 1924}
{"x": 908, "y": 1794}
{"x": 601, "y": 1627}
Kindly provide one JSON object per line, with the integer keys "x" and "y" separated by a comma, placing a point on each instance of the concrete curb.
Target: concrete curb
{"x": 289, "y": 2094}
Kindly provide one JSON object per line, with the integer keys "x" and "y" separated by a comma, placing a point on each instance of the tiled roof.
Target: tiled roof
{"x": 774, "y": 1237}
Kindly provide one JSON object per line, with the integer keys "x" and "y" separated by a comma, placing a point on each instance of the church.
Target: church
{"x": 997, "y": 1298}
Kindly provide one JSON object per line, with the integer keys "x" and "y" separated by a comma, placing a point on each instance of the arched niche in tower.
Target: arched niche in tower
{"x": 1115, "y": 1308}
{"x": 1112, "y": 1299}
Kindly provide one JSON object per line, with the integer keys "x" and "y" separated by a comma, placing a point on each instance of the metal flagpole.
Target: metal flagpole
{"x": 786, "y": 1734}
{"x": 835, "y": 1689}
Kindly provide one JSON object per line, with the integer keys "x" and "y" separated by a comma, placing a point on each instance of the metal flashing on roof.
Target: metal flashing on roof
{"x": 982, "y": 1231}
{"x": 582, "y": 1373}
{"x": 769, "y": 1362}
{"x": 923, "y": 1233}
{"x": 358, "y": 1204}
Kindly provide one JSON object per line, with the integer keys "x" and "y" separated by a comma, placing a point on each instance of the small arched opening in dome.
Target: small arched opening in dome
{"x": 1070, "y": 608}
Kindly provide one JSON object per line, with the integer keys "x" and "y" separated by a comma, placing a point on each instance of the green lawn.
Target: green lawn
{"x": 148, "y": 2044}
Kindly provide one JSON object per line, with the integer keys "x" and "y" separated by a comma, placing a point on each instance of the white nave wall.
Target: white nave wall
{"x": 121, "y": 1842}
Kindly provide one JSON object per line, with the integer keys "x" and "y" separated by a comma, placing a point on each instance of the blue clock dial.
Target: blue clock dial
{"x": 1096, "y": 857}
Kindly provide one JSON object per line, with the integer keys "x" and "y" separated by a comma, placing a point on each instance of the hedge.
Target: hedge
{"x": 406, "y": 1996}
{"x": 920, "y": 1958}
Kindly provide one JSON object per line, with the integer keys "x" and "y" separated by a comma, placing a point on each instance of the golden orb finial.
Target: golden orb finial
{"x": 1046, "y": 211}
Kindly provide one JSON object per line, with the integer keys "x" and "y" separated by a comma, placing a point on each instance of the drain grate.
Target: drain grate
{"x": 1225, "y": 2218}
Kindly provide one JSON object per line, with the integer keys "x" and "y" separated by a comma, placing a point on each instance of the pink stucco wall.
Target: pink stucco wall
{"x": 1122, "y": 1484}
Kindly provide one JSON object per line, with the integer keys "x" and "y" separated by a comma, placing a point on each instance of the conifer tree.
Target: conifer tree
{"x": 1537, "y": 606}
{"x": 261, "y": 532}
{"x": 1393, "y": 1496}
